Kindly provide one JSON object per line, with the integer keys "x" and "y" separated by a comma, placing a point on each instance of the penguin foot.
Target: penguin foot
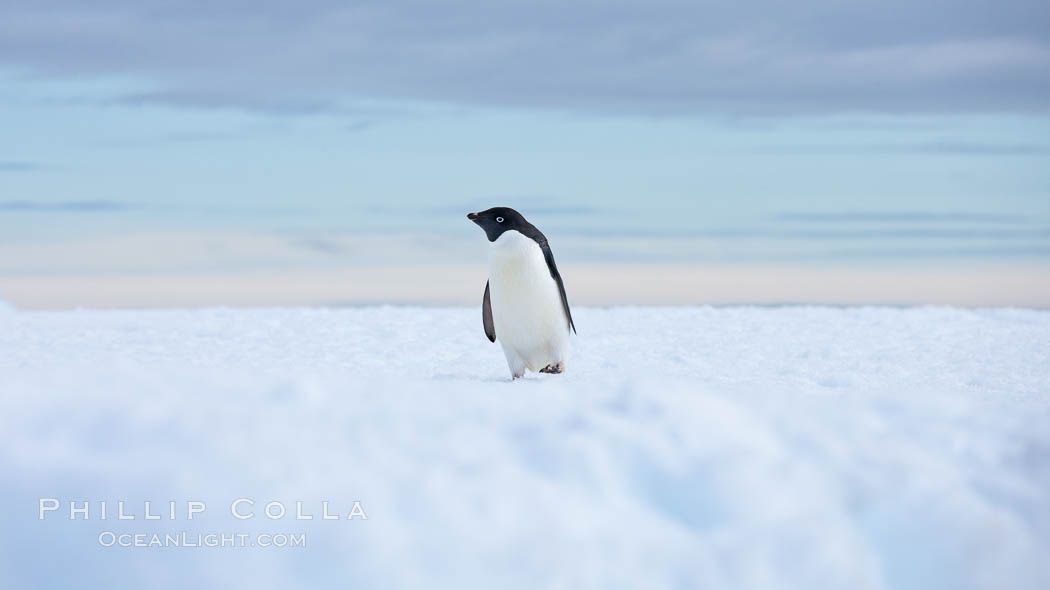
{"x": 554, "y": 369}
{"x": 514, "y": 376}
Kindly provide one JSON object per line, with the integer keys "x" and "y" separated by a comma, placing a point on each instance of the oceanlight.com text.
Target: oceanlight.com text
{"x": 187, "y": 540}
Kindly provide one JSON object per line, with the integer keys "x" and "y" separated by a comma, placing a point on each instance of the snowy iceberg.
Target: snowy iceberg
{"x": 739, "y": 447}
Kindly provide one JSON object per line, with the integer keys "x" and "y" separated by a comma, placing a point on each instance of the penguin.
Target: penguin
{"x": 524, "y": 303}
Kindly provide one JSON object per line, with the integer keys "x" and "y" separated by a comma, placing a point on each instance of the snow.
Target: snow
{"x": 733, "y": 447}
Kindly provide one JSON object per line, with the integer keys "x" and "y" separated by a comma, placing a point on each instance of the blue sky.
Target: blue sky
{"x": 822, "y": 132}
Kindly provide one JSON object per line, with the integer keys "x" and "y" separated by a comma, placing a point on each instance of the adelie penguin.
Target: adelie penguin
{"x": 525, "y": 305}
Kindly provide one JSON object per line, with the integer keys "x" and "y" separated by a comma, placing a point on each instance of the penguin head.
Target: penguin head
{"x": 497, "y": 220}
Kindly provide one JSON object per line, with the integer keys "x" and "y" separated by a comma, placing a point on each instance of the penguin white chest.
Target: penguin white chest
{"x": 527, "y": 311}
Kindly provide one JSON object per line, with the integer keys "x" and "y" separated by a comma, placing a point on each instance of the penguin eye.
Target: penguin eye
{"x": 499, "y": 220}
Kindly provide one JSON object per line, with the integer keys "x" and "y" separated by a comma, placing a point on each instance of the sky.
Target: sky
{"x": 158, "y": 137}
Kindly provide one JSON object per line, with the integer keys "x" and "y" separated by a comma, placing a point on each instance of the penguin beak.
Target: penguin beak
{"x": 472, "y": 216}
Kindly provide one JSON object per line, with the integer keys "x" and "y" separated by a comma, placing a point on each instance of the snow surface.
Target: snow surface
{"x": 735, "y": 447}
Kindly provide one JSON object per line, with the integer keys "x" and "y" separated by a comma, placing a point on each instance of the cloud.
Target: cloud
{"x": 934, "y": 148}
{"x": 889, "y": 234}
{"x": 68, "y": 206}
{"x": 18, "y": 166}
{"x": 527, "y": 205}
{"x": 935, "y": 217}
{"x": 182, "y": 137}
{"x": 662, "y": 57}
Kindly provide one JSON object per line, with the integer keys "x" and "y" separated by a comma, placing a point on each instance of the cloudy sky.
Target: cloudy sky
{"x": 677, "y": 131}
{"x": 645, "y": 58}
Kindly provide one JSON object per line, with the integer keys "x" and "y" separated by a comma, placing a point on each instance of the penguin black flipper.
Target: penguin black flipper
{"x": 549, "y": 257}
{"x": 486, "y": 314}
